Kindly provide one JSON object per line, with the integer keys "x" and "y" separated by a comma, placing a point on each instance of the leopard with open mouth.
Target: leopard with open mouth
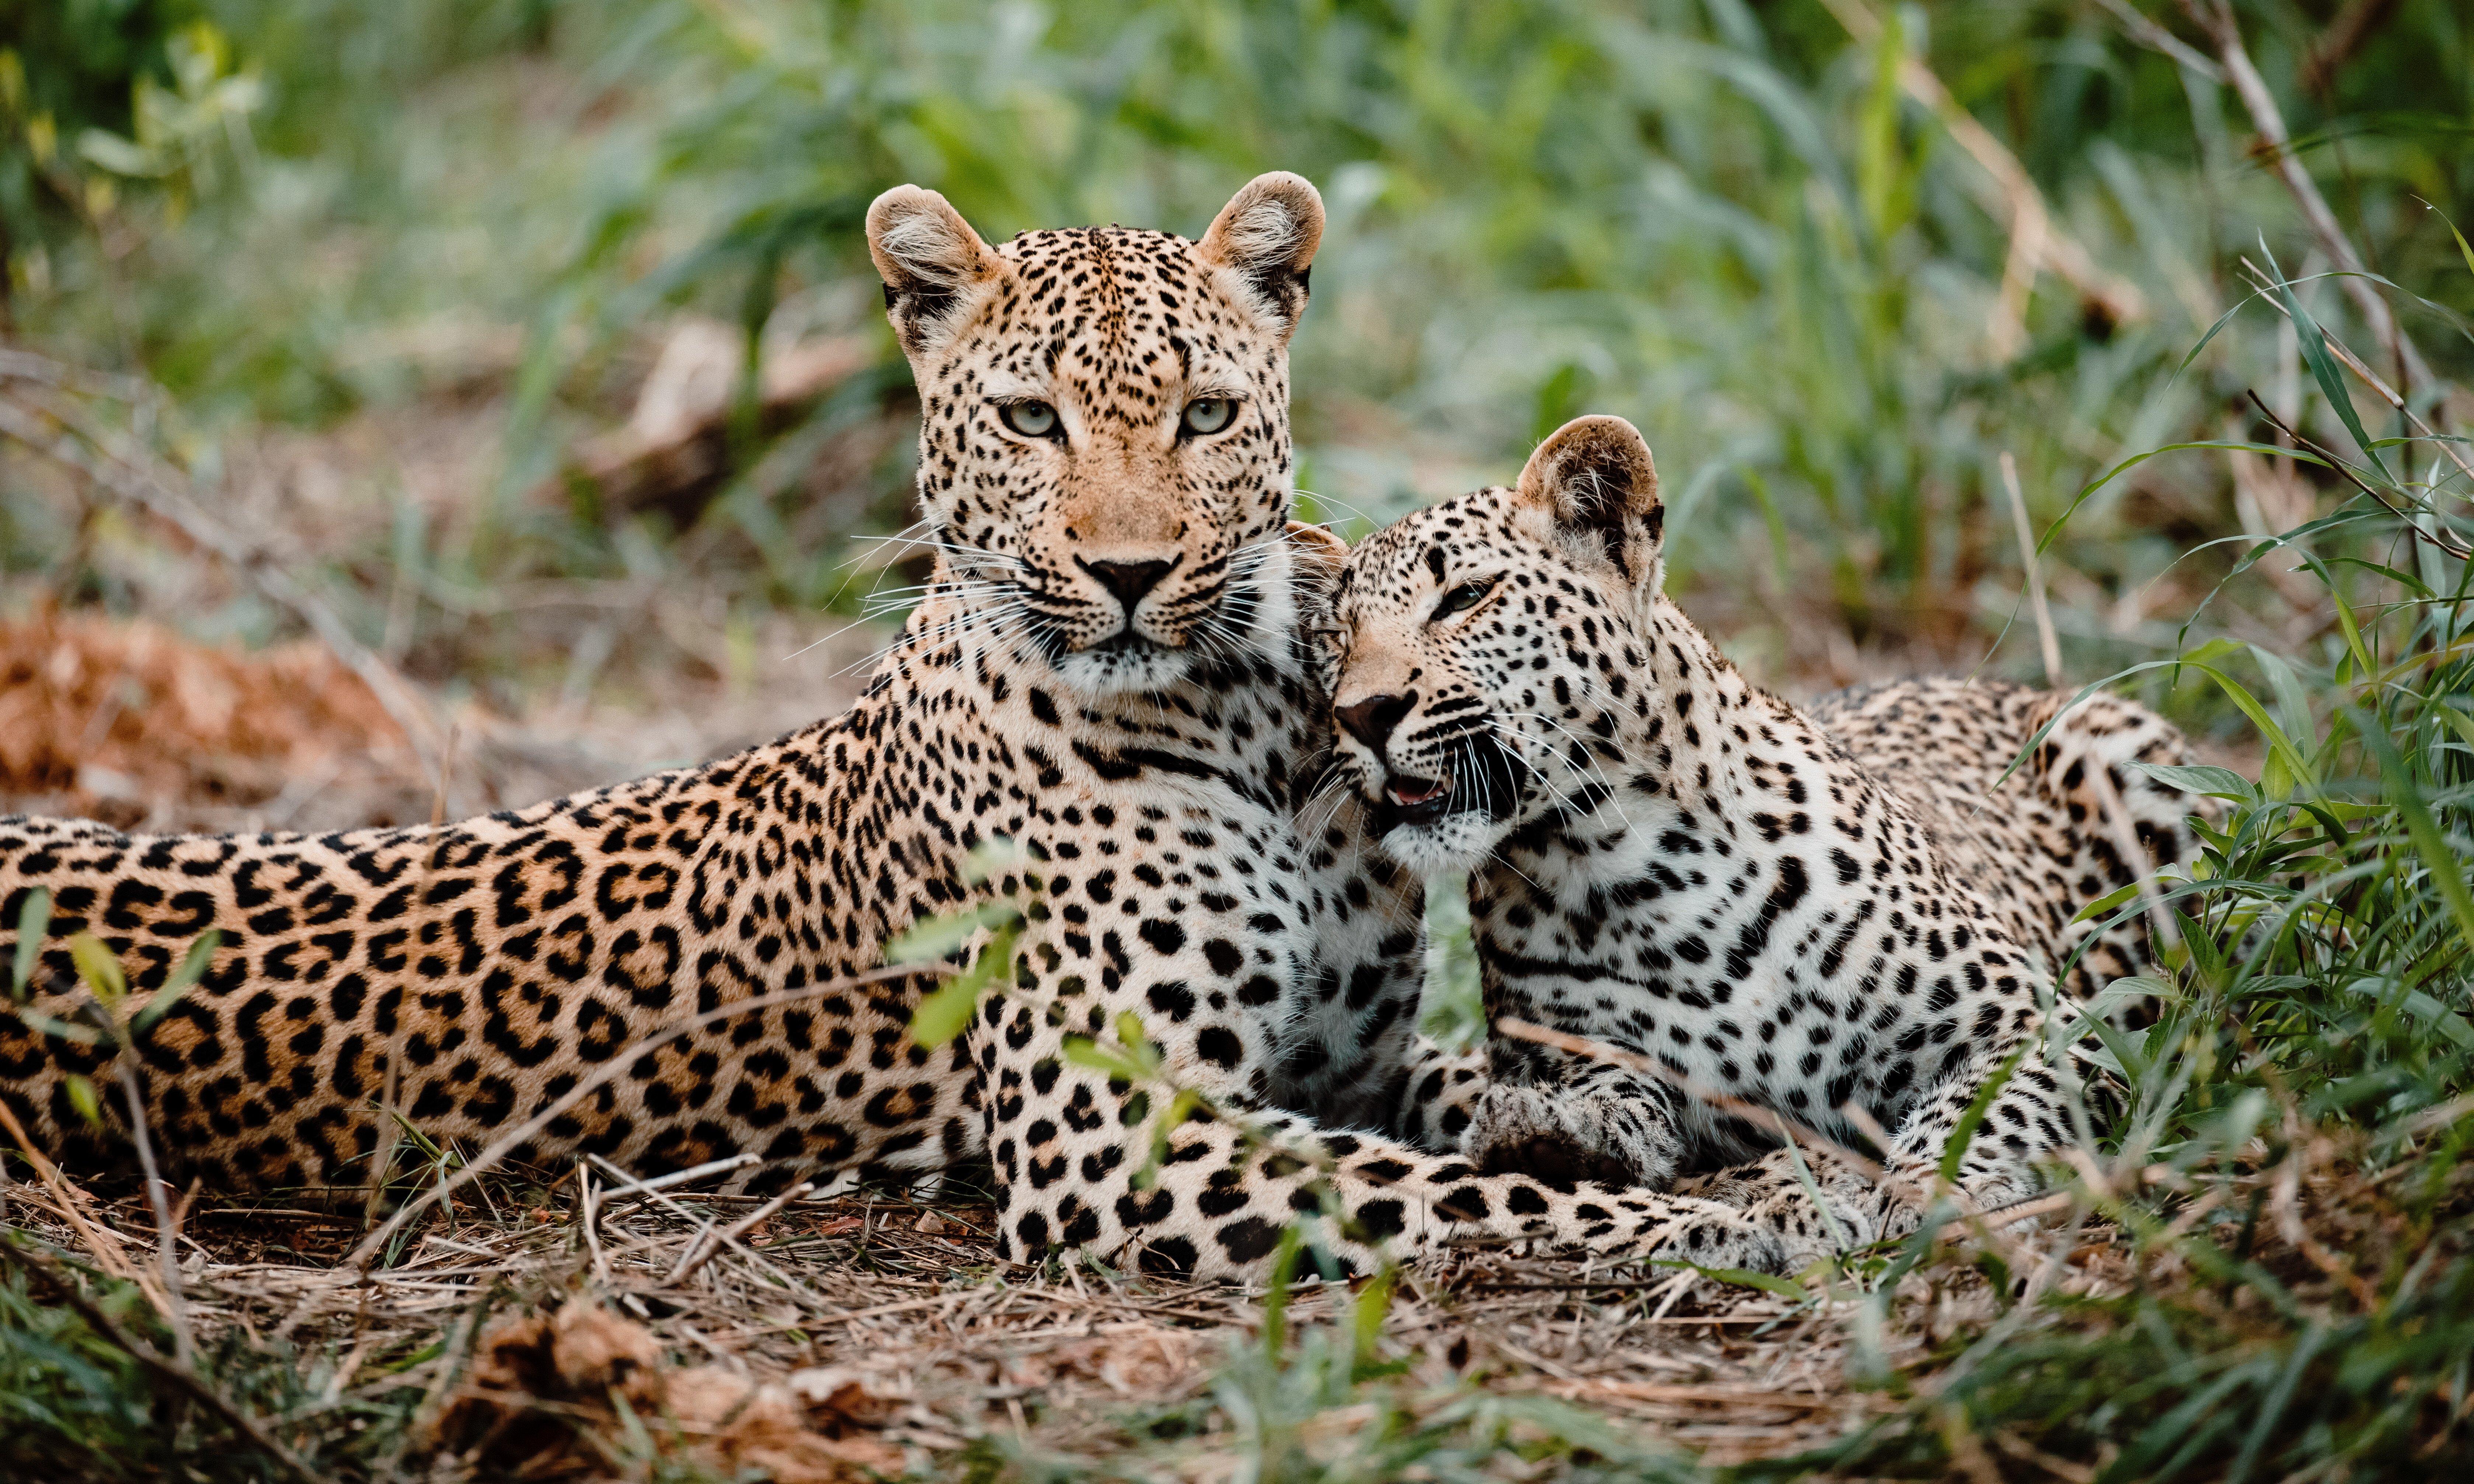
{"x": 1816, "y": 912}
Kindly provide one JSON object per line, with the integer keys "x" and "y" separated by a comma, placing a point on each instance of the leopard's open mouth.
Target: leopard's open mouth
{"x": 1408, "y": 800}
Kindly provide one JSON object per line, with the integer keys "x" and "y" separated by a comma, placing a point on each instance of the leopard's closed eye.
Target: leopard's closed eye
{"x": 1465, "y": 596}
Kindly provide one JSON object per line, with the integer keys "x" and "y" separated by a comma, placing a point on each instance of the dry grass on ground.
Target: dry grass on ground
{"x": 835, "y": 1335}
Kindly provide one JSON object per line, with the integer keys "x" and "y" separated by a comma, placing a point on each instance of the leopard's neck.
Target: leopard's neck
{"x": 1691, "y": 761}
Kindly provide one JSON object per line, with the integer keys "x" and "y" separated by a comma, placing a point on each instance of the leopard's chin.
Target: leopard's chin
{"x": 1125, "y": 665}
{"x": 1460, "y": 840}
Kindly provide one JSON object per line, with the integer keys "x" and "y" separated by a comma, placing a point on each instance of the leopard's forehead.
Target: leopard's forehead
{"x": 1423, "y": 550}
{"x": 1124, "y": 317}
{"x": 1088, "y": 249}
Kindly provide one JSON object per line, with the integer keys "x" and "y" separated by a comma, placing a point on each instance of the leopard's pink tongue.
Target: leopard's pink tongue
{"x": 1421, "y": 793}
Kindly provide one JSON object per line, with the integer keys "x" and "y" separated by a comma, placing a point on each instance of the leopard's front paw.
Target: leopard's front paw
{"x": 1535, "y": 1132}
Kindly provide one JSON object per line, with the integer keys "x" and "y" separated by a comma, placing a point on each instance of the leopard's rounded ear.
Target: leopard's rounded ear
{"x": 930, "y": 261}
{"x": 1265, "y": 236}
{"x": 1317, "y": 547}
{"x": 1594, "y": 479}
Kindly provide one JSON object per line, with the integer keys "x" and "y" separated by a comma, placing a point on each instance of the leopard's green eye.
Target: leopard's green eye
{"x": 1209, "y": 414}
{"x": 1465, "y": 596}
{"x": 1032, "y": 420}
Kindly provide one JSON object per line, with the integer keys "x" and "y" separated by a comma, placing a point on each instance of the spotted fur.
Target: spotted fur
{"x": 1108, "y": 673}
{"x": 1804, "y": 911}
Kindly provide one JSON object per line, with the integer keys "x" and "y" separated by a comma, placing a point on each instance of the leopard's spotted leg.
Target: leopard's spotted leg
{"x": 1438, "y": 1096}
{"x": 2028, "y": 1121}
{"x": 1068, "y": 1139}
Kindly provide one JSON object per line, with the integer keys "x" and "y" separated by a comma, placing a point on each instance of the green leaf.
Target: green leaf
{"x": 2293, "y": 707}
{"x": 2280, "y": 747}
{"x": 202, "y": 954}
{"x": 2433, "y": 846}
{"x": 2458, "y": 722}
{"x": 941, "y": 1015}
{"x": 82, "y": 1099}
{"x": 2353, "y": 645}
{"x": 1139, "y": 1061}
{"x": 1367, "y": 1314}
{"x": 2463, "y": 249}
{"x": 121, "y": 157}
{"x": 33, "y": 923}
{"x": 1179, "y": 1109}
{"x": 1084, "y": 1052}
{"x": 1275, "y": 1302}
{"x": 993, "y": 858}
{"x": 2313, "y": 340}
{"x": 935, "y": 938}
{"x": 2108, "y": 902}
{"x": 1955, "y": 1152}
{"x": 2213, "y": 781}
{"x": 2440, "y": 1018}
{"x": 2087, "y": 491}
{"x": 100, "y": 968}
{"x": 42, "y": 1024}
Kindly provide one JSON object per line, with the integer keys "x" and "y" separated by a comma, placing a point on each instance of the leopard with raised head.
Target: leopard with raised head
{"x": 1109, "y": 671}
{"x": 1804, "y": 911}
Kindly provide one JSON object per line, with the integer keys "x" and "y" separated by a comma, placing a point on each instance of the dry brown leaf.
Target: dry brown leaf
{"x": 747, "y": 1423}
{"x": 812, "y": 1427}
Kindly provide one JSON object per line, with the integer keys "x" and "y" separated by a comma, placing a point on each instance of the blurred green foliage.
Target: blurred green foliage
{"x": 1722, "y": 220}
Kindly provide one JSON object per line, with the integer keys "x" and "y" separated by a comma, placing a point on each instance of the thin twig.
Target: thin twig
{"x": 2435, "y": 533}
{"x": 2044, "y": 638}
{"x": 174, "y": 1371}
{"x": 167, "y": 1232}
{"x": 704, "y": 1225}
{"x": 2155, "y": 37}
{"x": 2347, "y": 32}
{"x": 2217, "y": 18}
{"x": 703, "y": 1251}
{"x": 721, "y": 1166}
{"x": 103, "y": 1243}
{"x": 2354, "y": 362}
{"x": 2116, "y": 819}
{"x": 589, "y": 1213}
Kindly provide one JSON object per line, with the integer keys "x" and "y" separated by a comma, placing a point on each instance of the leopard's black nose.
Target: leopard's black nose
{"x": 1370, "y": 721}
{"x": 1128, "y": 579}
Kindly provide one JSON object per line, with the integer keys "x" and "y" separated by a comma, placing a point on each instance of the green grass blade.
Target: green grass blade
{"x": 2314, "y": 343}
{"x": 2087, "y": 491}
{"x": 33, "y": 923}
{"x": 2441, "y": 862}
